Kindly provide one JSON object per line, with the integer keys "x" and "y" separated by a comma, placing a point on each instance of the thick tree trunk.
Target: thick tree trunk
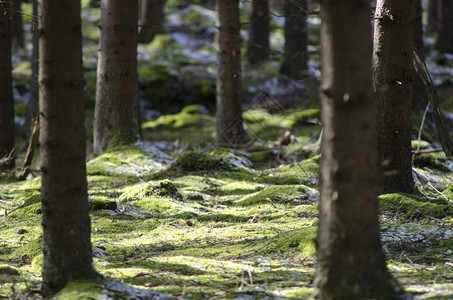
{"x": 116, "y": 94}
{"x": 351, "y": 263}
{"x": 295, "y": 59}
{"x": 258, "y": 43}
{"x": 393, "y": 79}
{"x": 445, "y": 32}
{"x": 151, "y": 19}
{"x": 32, "y": 108}
{"x": 64, "y": 198}
{"x": 6, "y": 90}
{"x": 230, "y": 129}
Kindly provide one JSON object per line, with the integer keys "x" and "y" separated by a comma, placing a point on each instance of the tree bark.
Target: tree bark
{"x": 393, "y": 80}
{"x": 33, "y": 99}
{"x": 350, "y": 260}
{"x": 419, "y": 94}
{"x": 433, "y": 16}
{"x": 445, "y": 32}
{"x": 151, "y": 19}
{"x": 116, "y": 109}
{"x": 64, "y": 198}
{"x": 295, "y": 58}
{"x": 6, "y": 90}
{"x": 258, "y": 43}
{"x": 229, "y": 122}
{"x": 17, "y": 24}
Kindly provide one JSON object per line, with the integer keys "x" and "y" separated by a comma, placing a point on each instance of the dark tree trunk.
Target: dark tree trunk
{"x": 116, "y": 94}
{"x": 32, "y": 109}
{"x": 17, "y": 24}
{"x": 393, "y": 78}
{"x": 295, "y": 58}
{"x": 419, "y": 94}
{"x": 151, "y": 19}
{"x": 433, "y": 16}
{"x": 351, "y": 263}
{"x": 445, "y": 32}
{"x": 258, "y": 43}
{"x": 6, "y": 90}
{"x": 230, "y": 129}
{"x": 64, "y": 198}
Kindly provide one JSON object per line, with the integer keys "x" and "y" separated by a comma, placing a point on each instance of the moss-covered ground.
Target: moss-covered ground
{"x": 206, "y": 222}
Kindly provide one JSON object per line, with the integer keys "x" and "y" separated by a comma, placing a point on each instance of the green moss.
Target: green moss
{"x": 295, "y": 118}
{"x": 98, "y": 204}
{"x": 28, "y": 251}
{"x": 31, "y": 206}
{"x": 6, "y": 270}
{"x": 124, "y": 136}
{"x": 420, "y": 145}
{"x": 291, "y": 194}
{"x": 195, "y": 109}
{"x": 161, "y": 188}
{"x": 411, "y": 207}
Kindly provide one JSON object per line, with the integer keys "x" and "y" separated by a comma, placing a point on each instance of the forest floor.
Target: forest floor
{"x": 175, "y": 214}
{"x": 215, "y": 223}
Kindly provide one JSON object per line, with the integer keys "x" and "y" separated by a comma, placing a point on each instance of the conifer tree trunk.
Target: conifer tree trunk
{"x": 351, "y": 263}
{"x": 433, "y": 16}
{"x": 295, "y": 58}
{"x": 17, "y": 24}
{"x": 33, "y": 99}
{"x": 445, "y": 31}
{"x": 393, "y": 79}
{"x": 258, "y": 43}
{"x": 229, "y": 123}
{"x": 151, "y": 19}
{"x": 64, "y": 198}
{"x": 6, "y": 89}
{"x": 116, "y": 111}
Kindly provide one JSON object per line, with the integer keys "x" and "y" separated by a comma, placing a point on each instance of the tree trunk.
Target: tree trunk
{"x": 295, "y": 59}
{"x": 393, "y": 78}
{"x": 116, "y": 93}
{"x": 258, "y": 43}
{"x": 32, "y": 108}
{"x": 350, "y": 260}
{"x": 445, "y": 32}
{"x": 433, "y": 16}
{"x": 17, "y": 24}
{"x": 230, "y": 129}
{"x": 6, "y": 90}
{"x": 64, "y": 198}
{"x": 151, "y": 19}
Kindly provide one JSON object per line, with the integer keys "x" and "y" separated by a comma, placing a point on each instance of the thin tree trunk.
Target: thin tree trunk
{"x": 258, "y": 43}
{"x": 419, "y": 94}
{"x": 393, "y": 78}
{"x": 151, "y": 19}
{"x": 17, "y": 24}
{"x": 351, "y": 263}
{"x": 433, "y": 16}
{"x": 230, "y": 129}
{"x": 6, "y": 90}
{"x": 295, "y": 59}
{"x": 33, "y": 99}
{"x": 445, "y": 32}
{"x": 64, "y": 198}
{"x": 116, "y": 93}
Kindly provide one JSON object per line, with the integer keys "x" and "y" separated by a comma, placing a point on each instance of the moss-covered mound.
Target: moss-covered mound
{"x": 286, "y": 194}
{"x": 411, "y": 207}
